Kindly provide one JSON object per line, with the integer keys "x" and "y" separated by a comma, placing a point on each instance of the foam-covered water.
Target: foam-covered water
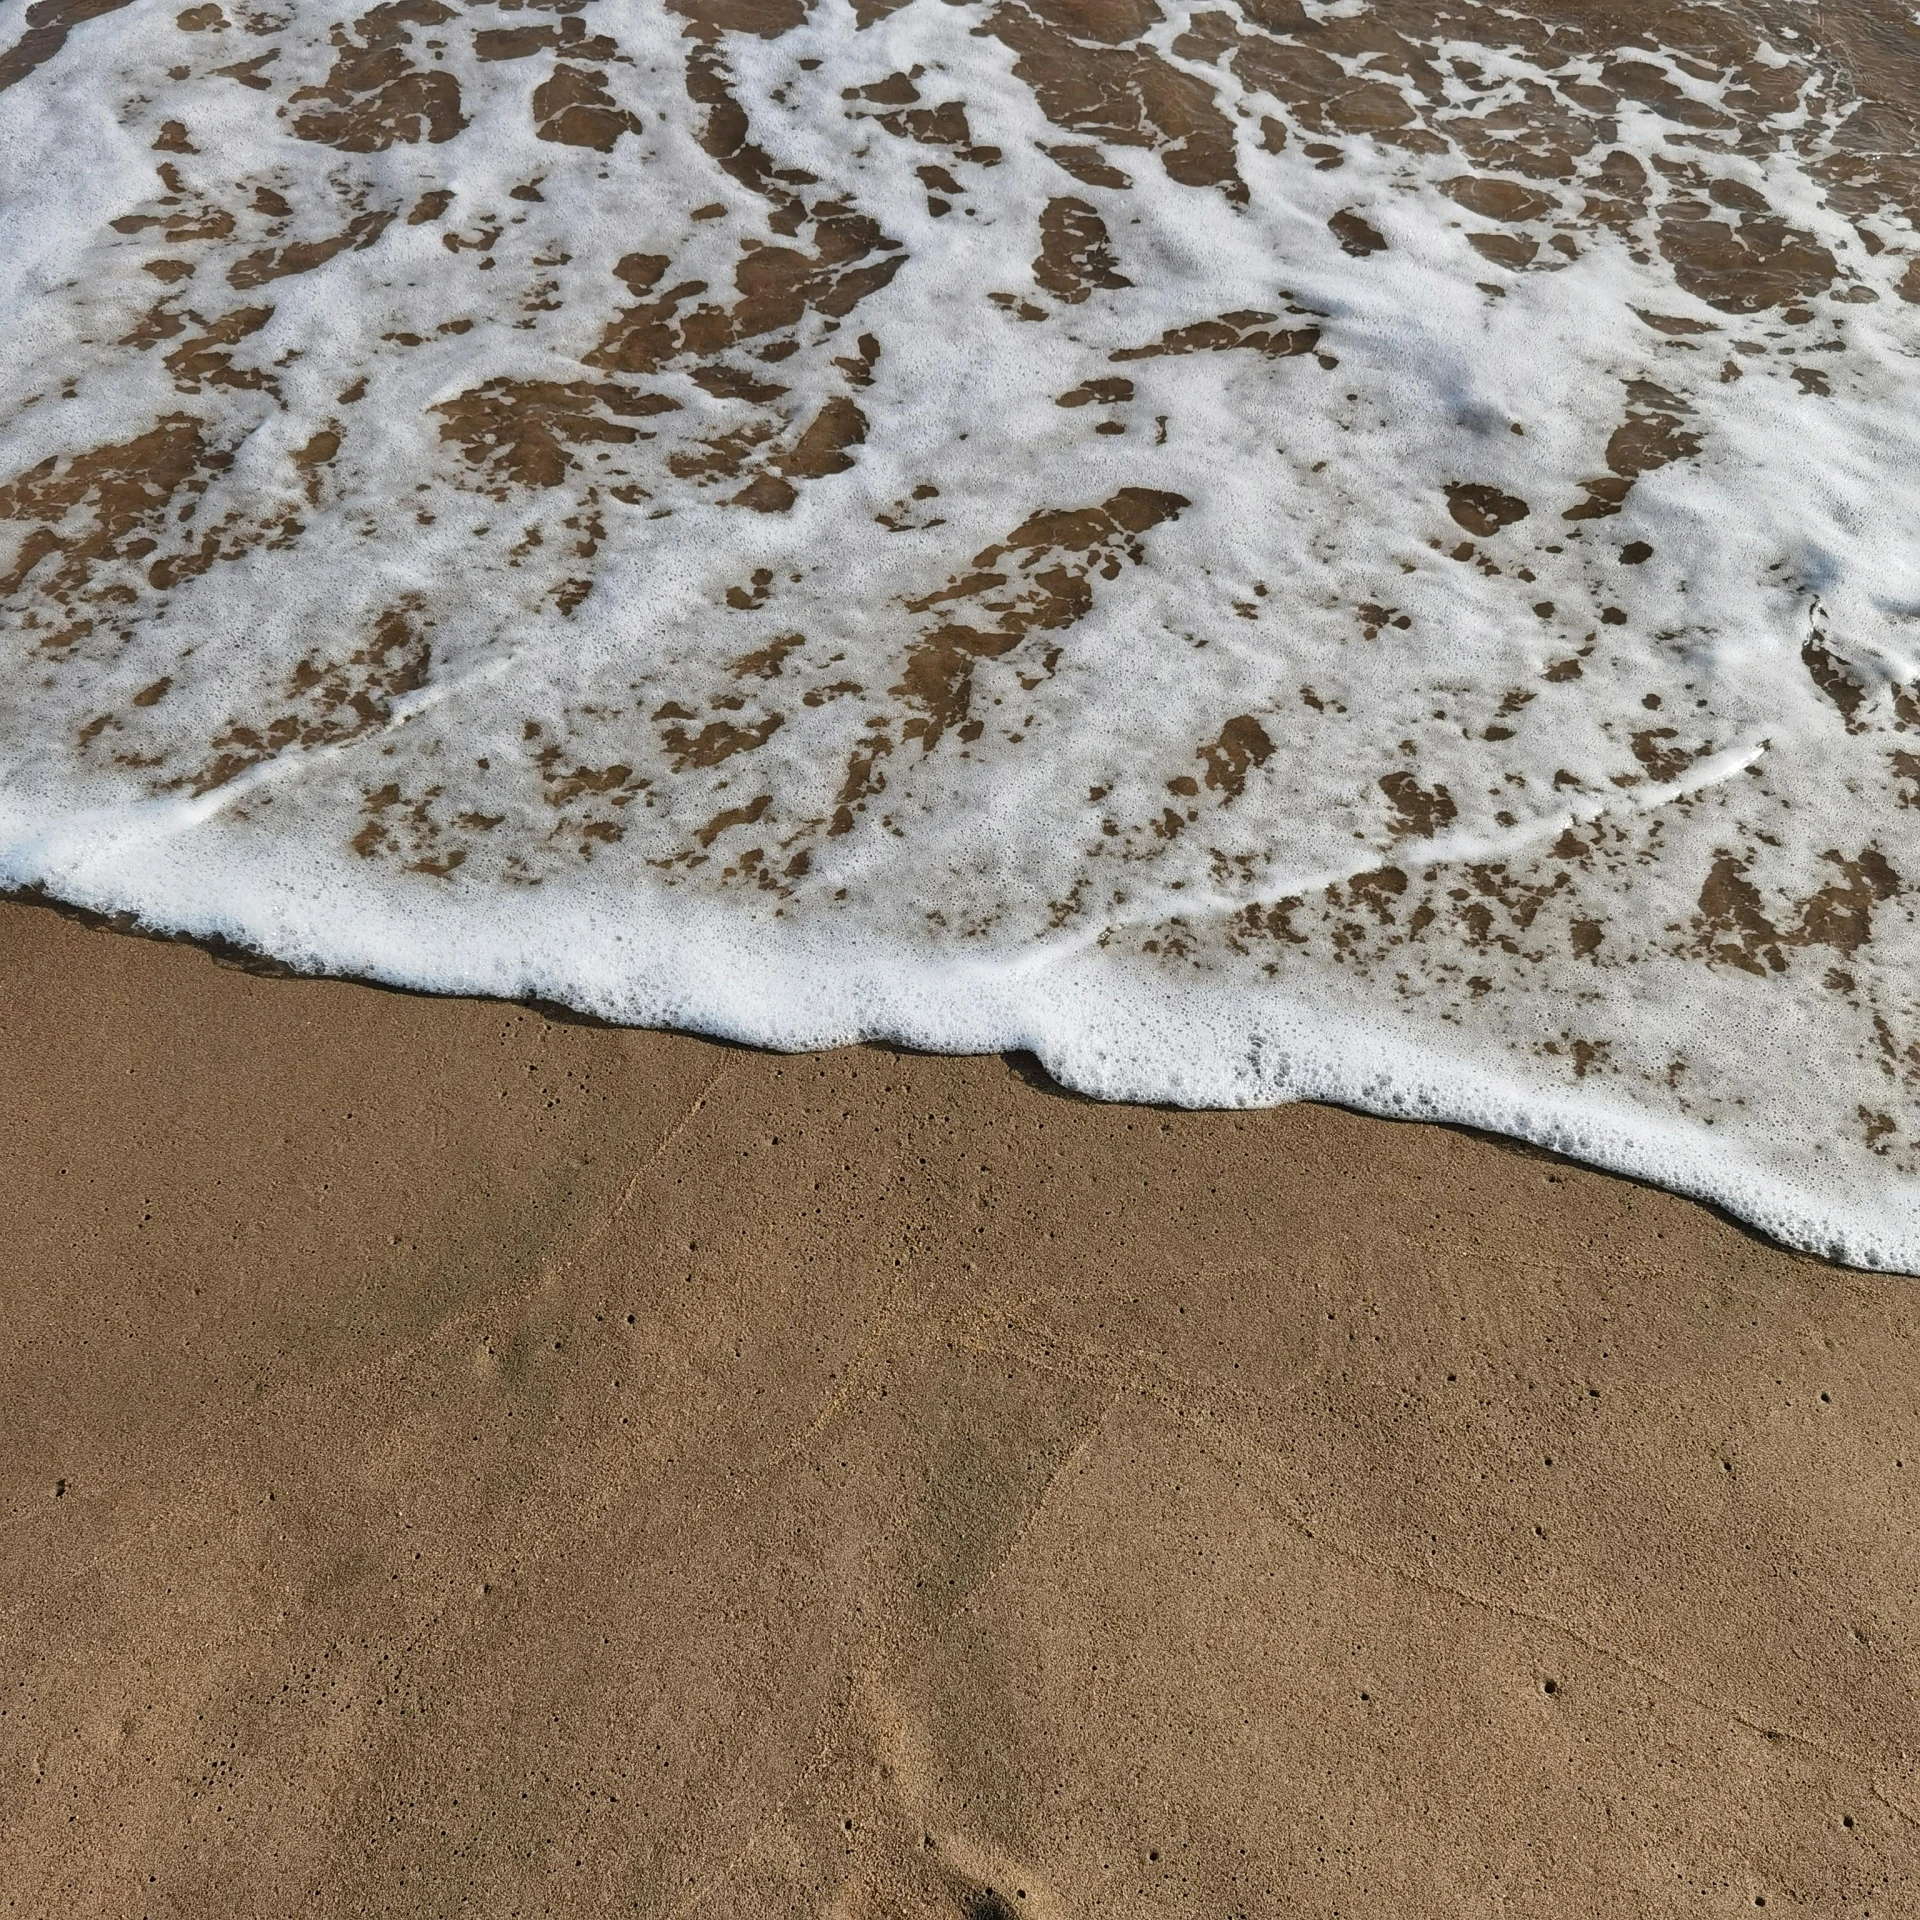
{"x": 1258, "y": 550}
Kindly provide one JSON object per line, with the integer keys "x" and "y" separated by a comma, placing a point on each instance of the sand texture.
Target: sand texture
{"x": 460, "y": 1461}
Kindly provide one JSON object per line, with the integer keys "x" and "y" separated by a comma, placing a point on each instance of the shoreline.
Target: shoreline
{"x": 1021, "y": 1061}
{"x": 1538, "y": 1122}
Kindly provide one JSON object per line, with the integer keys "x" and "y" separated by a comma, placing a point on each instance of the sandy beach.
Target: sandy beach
{"x": 467, "y": 1460}
{"x": 1322, "y": 549}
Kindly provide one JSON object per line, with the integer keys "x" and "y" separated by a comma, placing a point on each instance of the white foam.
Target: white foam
{"x": 1662, "y": 920}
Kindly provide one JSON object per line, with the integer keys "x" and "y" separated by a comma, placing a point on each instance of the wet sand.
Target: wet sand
{"x": 464, "y": 1460}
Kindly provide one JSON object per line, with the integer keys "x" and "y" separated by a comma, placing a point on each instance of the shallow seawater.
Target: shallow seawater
{"x": 1260, "y": 551}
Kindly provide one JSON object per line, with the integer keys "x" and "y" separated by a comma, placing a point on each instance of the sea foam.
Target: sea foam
{"x": 1258, "y": 551}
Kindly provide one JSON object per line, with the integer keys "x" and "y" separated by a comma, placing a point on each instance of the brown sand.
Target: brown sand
{"x": 461, "y": 1461}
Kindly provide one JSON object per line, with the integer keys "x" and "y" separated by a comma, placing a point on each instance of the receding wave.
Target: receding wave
{"x": 1258, "y": 550}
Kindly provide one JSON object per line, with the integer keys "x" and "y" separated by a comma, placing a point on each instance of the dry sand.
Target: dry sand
{"x": 460, "y": 1460}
